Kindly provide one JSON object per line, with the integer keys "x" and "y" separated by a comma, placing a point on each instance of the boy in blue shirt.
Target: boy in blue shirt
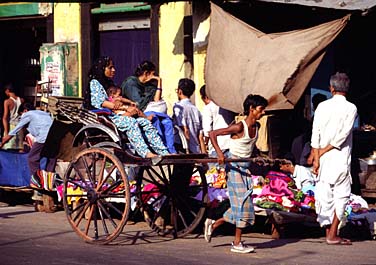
{"x": 187, "y": 116}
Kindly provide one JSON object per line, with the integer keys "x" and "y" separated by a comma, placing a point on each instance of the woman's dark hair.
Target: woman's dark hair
{"x": 97, "y": 72}
{"x": 254, "y": 101}
{"x": 144, "y": 66}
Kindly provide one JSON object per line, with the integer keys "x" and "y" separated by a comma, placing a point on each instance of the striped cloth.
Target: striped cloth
{"x": 240, "y": 188}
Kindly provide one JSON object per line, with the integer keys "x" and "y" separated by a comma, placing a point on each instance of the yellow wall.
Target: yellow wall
{"x": 172, "y": 63}
{"x": 67, "y": 28}
{"x": 199, "y": 54}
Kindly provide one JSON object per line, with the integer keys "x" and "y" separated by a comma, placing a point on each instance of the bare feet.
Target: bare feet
{"x": 150, "y": 155}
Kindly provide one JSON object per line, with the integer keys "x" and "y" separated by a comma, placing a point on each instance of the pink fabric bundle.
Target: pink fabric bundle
{"x": 278, "y": 188}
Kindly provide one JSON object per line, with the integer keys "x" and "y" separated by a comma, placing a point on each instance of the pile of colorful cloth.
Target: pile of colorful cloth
{"x": 275, "y": 190}
{"x": 278, "y": 191}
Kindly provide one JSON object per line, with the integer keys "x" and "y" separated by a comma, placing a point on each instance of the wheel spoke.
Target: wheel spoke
{"x": 174, "y": 221}
{"x": 163, "y": 179}
{"x": 154, "y": 219}
{"x": 78, "y": 208}
{"x": 95, "y": 221}
{"x": 103, "y": 219}
{"x": 169, "y": 169}
{"x": 101, "y": 206}
{"x": 101, "y": 172}
{"x": 77, "y": 170}
{"x": 186, "y": 205}
{"x": 182, "y": 211}
{"x": 77, "y": 184}
{"x": 97, "y": 199}
{"x": 81, "y": 214}
{"x": 156, "y": 200}
{"x": 151, "y": 178}
{"x": 153, "y": 181}
{"x": 112, "y": 195}
{"x": 157, "y": 214}
{"x": 90, "y": 172}
{"x": 114, "y": 208}
{"x": 109, "y": 173}
{"x": 166, "y": 180}
{"x": 89, "y": 219}
{"x": 112, "y": 187}
{"x": 182, "y": 218}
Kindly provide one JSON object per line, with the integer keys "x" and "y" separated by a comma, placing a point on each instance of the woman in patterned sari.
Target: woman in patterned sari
{"x": 101, "y": 75}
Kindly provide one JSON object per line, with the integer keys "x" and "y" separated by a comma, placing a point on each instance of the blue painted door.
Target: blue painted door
{"x": 127, "y": 48}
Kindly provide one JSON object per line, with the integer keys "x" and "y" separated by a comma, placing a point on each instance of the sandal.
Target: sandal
{"x": 341, "y": 241}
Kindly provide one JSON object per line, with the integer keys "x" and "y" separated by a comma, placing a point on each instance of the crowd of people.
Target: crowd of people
{"x": 138, "y": 110}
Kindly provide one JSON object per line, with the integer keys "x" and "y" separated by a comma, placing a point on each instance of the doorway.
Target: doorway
{"x": 127, "y": 48}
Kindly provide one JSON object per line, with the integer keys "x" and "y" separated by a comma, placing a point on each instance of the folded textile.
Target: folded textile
{"x": 276, "y": 187}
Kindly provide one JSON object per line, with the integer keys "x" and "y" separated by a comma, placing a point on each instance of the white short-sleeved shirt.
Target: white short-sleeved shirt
{"x": 213, "y": 118}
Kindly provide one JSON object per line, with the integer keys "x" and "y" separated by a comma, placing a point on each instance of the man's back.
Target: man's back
{"x": 187, "y": 114}
{"x": 38, "y": 124}
{"x": 213, "y": 118}
{"x": 333, "y": 122}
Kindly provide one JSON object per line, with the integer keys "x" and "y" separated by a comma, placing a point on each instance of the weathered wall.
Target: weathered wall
{"x": 172, "y": 61}
{"x": 67, "y": 28}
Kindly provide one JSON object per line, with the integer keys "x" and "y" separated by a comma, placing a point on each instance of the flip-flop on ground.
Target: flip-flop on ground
{"x": 341, "y": 241}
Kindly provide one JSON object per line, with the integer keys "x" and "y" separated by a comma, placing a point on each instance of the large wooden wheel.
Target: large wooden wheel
{"x": 96, "y": 195}
{"x": 172, "y": 204}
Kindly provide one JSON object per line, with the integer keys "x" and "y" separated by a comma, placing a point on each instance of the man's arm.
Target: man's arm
{"x": 203, "y": 144}
{"x": 316, "y": 161}
{"x": 325, "y": 149}
{"x": 315, "y": 141}
{"x": 186, "y": 132}
{"x": 5, "y": 139}
{"x": 6, "y": 117}
{"x": 232, "y": 129}
{"x": 24, "y": 121}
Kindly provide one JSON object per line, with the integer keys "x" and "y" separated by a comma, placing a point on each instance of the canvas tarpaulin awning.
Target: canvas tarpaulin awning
{"x": 242, "y": 60}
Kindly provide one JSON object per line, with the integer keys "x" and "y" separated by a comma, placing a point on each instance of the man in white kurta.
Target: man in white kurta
{"x": 332, "y": 144}
{"x": 213, "y": 118}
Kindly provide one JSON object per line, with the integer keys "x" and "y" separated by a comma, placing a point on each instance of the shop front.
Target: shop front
{"x": 24, "y": 27}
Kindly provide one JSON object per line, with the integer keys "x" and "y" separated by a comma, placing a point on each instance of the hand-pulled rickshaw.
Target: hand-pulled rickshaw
{"x": 106, "y": 179}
